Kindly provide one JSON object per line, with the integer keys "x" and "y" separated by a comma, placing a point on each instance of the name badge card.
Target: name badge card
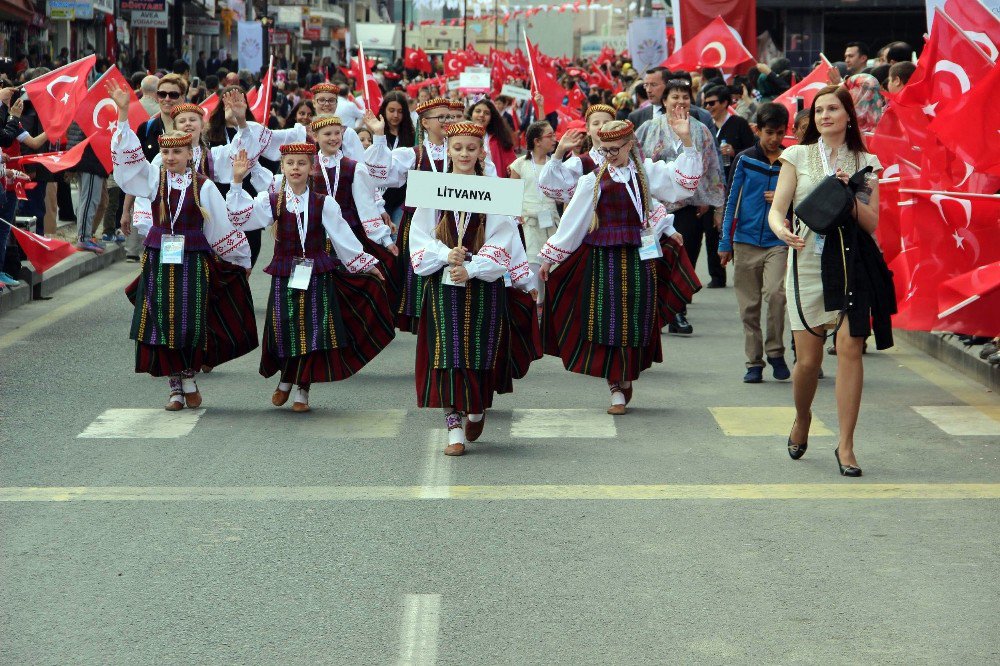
{"x": 507, "y": 282}
{"x": 820, "y": 242}
{"x": 302, "y": 271}
{"x": 469, "y": 194}
{"x": 171, "y": 249}
{"x": 650, "y": 248}
{"x": 446, "y": 276}
{"x": 545, "y": 219}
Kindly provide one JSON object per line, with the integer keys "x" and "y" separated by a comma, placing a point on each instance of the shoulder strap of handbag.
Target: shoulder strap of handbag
{"x": 798, "y": 300}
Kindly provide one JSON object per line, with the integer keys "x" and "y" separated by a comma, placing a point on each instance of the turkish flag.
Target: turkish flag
{"x": 970, "y": 302}
{"x": 971, "y": 126}
{"x": 417, "y": 59}
{"x": 259, "y": 99}
{"x": 56, "y": 95}
{"x": 97, "y": 114}
{"x": 209, "y": 105}
{"x": 42, "y": 252}
{"x": 543, "y": 80}
{"x": 691, "y": 16}
{"x": 369, "y": 86}
{"x": 455, "y": 63}
{"x": 979, "y": 24}
{"x": 949, "y": 66}
{"x": 806, "y": 89}
{"x": 717, "y": 45}
{"x": 58, "y": 161}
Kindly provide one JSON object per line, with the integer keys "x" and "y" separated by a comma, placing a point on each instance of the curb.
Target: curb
{"x": 34, "y": 286}
{"x": 945, "y": 348}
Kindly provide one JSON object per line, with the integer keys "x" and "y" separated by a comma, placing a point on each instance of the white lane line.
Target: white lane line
{"x": 562, "y": 423}
{"x": 418, "y": 640}
{"x": 438, "y": 471}
{"x": 961, "y": 420}
{"x": 142, "y": 424}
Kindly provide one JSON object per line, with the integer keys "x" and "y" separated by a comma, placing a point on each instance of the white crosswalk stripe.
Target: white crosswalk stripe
{"x": 562, "y": 424}
{"x": 142, "y": 424}
{"x": 961, "y": 420}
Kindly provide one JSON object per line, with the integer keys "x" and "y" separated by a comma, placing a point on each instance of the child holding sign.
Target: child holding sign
{"x": 188, "y": 225}
{"x": 323, "y": 323}
{"x": 603, "y": 309}
{"x": 463, "y": 341}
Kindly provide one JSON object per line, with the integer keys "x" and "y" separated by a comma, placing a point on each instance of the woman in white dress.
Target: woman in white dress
{"x": 539, "y": 217}
{"x": 832, "y": 145}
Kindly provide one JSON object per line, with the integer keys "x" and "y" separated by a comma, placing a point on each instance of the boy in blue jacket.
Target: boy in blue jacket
{"x": 759, "y": 257}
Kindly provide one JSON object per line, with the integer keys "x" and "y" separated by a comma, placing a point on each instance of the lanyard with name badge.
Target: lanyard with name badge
{"x": 301, "y": 267}
{"x": 171, "y": 245}
{"x": 326, "y": 177}
{"x": 461, "y": 223}
{"x": 430, "y": 157}
{"x": 648, "y": 248}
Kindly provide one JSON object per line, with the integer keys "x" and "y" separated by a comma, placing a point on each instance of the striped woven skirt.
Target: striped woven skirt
{"x": 600, "y": 315}
{"x": 327, "y": 332}
{"x": 523, "y": 340}
{"x": 676, "y": 281}
{"x": 232, "y": 324}
{"x": 169, "y": 320}
{"x": 387, "y": 264}
{"x": 411, "y": 285}
{"x": 461, "y": 333}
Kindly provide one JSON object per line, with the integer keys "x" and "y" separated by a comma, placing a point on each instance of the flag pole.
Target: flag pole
{"x": 957, "y": 195}
{"x": 363, "y": 67}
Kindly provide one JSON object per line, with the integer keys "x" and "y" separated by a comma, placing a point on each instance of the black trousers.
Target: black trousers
{"x": 693, "y": 229}
{"x": 64, "y": 199}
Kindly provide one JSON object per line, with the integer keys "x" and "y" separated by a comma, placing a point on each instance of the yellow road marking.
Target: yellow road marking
{"x": 64, "y": 310}
{"x": 762, "y": 421}
{"x": 948, "y": 380}
{"x": 852, "y": 490}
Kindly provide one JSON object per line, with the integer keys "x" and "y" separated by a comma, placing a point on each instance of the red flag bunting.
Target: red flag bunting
{"x": 58, "y": 161}
{"x": 42, "y": 252}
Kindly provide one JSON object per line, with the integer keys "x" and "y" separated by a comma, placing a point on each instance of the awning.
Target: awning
{"x": 16, "y": 10}
{"x": 334, "y": 16}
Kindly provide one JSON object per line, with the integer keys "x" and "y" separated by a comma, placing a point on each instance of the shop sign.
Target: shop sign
{"x": 69, "y": 10}
{"x": 142, "y": 19}
{"x": 144, "y": 5}
{"x": 200, "y": 26}
{"x": 279, "y": 37}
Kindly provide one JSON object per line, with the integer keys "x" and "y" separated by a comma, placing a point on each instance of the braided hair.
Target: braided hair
{"x": 162, "y": 187}
{"x": 640, "y": 172}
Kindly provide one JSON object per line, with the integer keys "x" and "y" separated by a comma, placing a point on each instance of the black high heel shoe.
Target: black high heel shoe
{"x": 796, "y": 451}
{"x": 846, "y": 470}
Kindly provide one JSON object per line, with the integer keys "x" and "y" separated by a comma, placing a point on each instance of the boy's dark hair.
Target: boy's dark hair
{"x": 772, "y": 116}
{"x": 804, "y": 113}
{"x": 211, "y": 81}
{"x": 881, "y": 74}
{"x": 902, "y": 71}
{"x": 722, "y": 92}
{"x": 898, "y": 52}
{"x": 180, "y": 67}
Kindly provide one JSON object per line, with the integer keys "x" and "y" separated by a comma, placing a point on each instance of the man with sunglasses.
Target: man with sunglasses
{"x": 170, "y": 92}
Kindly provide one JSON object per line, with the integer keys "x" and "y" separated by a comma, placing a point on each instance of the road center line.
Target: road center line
{"x": 438, "y": 470}
{"x": 439, "y": 490}
{"x": 418, "y": 639}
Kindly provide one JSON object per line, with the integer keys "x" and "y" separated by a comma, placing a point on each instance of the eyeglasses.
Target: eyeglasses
{"x": 711, "y": 102}
{"x": 610, "y": 152}
{"x": 440, "y": 119}
{"x": 172, "y": 94}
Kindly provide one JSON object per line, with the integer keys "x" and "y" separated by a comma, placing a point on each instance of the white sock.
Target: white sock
{"x": 617, "y": 398}
{"x": 188, "y": 385}
{"x": 476, "y": 418}
{"x": 456, "y": 436}
{"x": 302, "y": 395}
{"x": 177, "y": 398}
{"x": 285, "y": 386}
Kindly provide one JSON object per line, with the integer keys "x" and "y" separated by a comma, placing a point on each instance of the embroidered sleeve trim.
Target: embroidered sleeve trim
{"x": 496, "y": 254}
{"x": 553, "y": 253}
{"x": 556, "y": 193}
{"x": 229, "y": 242}
{"x": 378, "y": 171}
{"x": 688, "y": 182}
{"x": 519, "y": 272}
{"x": 126, "y": 157}
{"x": 416, "y": 259}
{"x": 361, "y": 263}
{"x": 372, "y": 225}
{"x": 240, "y": 217}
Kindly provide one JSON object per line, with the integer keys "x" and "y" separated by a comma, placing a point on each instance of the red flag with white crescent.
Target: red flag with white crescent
{"x": 97, "y": 114}
{"x": 260, "y": 105}
{"x": 57, "y": 94}
{"x": 42, "y": 252}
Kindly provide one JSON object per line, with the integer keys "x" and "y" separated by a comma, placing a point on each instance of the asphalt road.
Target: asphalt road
{"x": 680, "y": 533}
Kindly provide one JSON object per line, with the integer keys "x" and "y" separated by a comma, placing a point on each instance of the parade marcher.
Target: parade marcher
{"x": 429, "y": 154}
{"x": 325, "y": 98}
{"x": 354, "y": 189}
{"x": 327, "y": 314}
{"x": 463, "y": 258}
{"x": 560, "y": 175}
{"x": 694, "y": 216}
{"x": 602, "y": 311}
{"x": 188, "y": 224}
{"x": 838, "y": 281}
{"x": 399, "y": 132}
{"x": 539, "y": 216}
{"x": 499, "y": 136}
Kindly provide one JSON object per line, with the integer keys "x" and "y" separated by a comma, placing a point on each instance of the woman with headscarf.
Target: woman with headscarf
{"x": 869, "y": 103}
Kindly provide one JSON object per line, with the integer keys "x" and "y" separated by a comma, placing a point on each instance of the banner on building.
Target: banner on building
{"x": 250, "y": 35}
{"x": 69, "y": 10}
{"x": 144, "y": 5}
{"x": 201, "y": 26}
{"x": 647, "y": 42}
{"x": 148, "y": 19}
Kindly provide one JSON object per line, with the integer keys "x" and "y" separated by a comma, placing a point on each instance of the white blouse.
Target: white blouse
{"x": 364, "y": 197}
{"x": 428, "y": 255}
{"x": 558, "y": 178}
{"x": 579, "y": 213}
{"x": 396, "y": 163}
{"x": 135, "y": 176}
{"x": 255, "y": 213}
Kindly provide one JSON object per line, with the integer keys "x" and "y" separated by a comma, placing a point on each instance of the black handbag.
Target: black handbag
{"x": 830, "y": 204}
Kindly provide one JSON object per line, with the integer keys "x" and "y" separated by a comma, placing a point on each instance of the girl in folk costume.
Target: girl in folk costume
{"x": 601, "y": 313}
{"x": 232, "y": 326}
{"x": 323, "y": 323}
{"x": 558, "y": 178}
{"x": 326, "y": 98}
{"x": 399, "y": 131}
{"x": 464, "y": 324}
{"x": 189, "y": 224}
{"x": 356, "y": 193}
{"x": 430, "y": 154}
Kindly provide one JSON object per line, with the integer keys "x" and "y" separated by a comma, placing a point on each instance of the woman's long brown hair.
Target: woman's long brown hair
{"x": 854, "y": 139}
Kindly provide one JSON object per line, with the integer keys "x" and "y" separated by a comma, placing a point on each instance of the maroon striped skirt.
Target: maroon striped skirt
{"x": 676, "y": 281}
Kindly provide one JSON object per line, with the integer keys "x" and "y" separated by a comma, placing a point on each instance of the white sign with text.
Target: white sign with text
{"x": 472, "y": 194}
{"x": 516, "y": 92}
